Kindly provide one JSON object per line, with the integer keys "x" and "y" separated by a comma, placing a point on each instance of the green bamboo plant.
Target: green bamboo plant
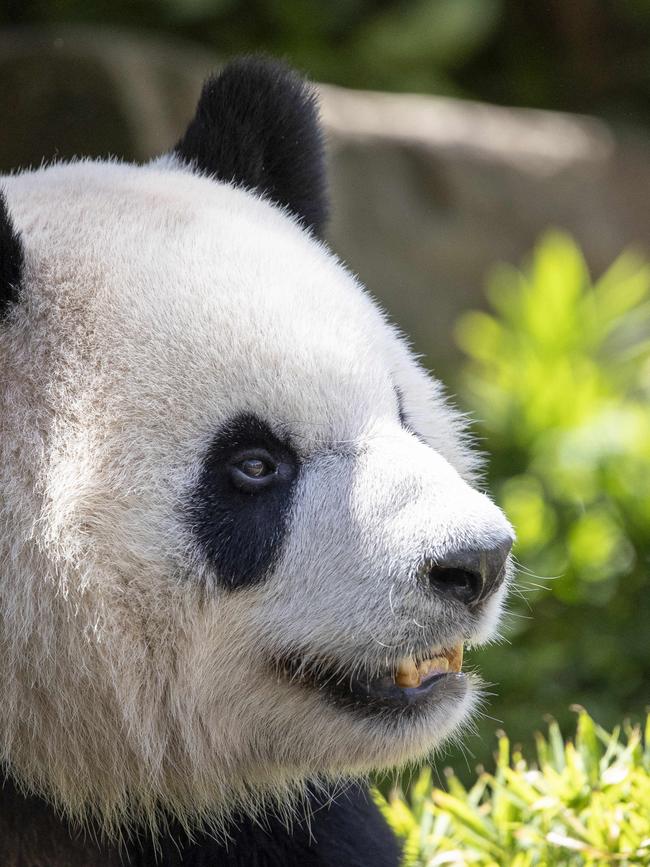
{"x": 585, "y": 802}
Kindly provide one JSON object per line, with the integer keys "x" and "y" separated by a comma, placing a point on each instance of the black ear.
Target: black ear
{"x": 11, "y": 258}
{"x": 257, "y": 125}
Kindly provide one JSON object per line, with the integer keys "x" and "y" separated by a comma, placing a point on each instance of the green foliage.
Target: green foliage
{"x": 559, "y": 376}
{"x": 581, "y": 803}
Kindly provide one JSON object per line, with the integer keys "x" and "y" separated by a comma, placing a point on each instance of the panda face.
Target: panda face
{"x": 242, "y": 545}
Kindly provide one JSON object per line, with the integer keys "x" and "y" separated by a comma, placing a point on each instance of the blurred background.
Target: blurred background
{"x": 490, "y": 164}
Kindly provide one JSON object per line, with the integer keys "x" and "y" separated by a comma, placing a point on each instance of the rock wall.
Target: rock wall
{"x": 427, "y": 192}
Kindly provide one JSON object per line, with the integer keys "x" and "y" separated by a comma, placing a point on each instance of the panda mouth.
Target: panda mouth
{"x": 408, "y": 684}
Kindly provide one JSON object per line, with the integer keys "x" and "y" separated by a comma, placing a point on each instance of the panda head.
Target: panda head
{"x": 241, "y": 546}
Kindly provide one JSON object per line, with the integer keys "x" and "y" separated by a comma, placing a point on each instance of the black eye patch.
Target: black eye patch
{"x": 240, "y": 508}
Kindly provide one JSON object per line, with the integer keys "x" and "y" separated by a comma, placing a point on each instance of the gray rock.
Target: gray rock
{"x": 430, "y": 192}
{"x": 427, "y": 192}
{"x": 78, "y": 91}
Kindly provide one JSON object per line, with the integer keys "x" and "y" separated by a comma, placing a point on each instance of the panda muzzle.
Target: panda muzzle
{"x": 411, "y": 682}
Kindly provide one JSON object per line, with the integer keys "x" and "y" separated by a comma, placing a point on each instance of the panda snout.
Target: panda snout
{"x": 468, "y": 574}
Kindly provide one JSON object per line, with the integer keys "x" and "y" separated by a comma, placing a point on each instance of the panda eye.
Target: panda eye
{"x": 254, "y": 467}
{"x": 253, "y": 471}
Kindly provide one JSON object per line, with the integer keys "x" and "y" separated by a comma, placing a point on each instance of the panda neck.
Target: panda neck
{"x": 346, "y": 832}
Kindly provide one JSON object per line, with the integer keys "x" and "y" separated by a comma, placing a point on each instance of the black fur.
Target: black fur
{"x": 240, "y": 533}
{"x": 256, "y": 124}
{"x": 11, "y": 258}
{"x": 346, "y": 832}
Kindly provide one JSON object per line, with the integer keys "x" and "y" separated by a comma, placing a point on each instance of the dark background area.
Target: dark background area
{"x": 580, "y": 56}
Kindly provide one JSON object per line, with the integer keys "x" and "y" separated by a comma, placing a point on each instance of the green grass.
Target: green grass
{"x": 583, "y": 802}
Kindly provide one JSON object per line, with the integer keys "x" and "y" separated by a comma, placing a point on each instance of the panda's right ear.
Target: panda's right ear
{"x": 11, "y": 258}
{"x": 257, "y": 126}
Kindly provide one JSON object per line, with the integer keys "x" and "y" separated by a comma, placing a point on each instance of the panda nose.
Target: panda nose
{"x": 468, "y": 575}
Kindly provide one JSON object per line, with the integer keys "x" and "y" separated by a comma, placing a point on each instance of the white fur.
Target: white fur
{"x": 157, "y": 304}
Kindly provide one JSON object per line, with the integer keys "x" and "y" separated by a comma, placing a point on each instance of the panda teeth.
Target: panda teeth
{"x": 410, "y": 672}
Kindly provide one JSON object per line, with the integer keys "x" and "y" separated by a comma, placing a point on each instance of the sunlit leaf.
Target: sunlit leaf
{"x": 584, "y": 803}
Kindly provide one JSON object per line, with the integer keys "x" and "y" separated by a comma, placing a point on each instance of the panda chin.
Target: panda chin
{"x": 410, "y": 687}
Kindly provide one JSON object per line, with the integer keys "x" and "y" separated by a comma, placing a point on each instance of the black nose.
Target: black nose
{"x": 468, "y": 574}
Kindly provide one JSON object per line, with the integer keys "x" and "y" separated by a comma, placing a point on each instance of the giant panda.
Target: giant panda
{"x": 242, "y": 541}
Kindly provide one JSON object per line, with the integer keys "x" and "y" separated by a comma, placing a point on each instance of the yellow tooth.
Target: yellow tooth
{"x": 440, "y": 665}
{"x": 407, "y": 673}
{"x": 455, "y": 657}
